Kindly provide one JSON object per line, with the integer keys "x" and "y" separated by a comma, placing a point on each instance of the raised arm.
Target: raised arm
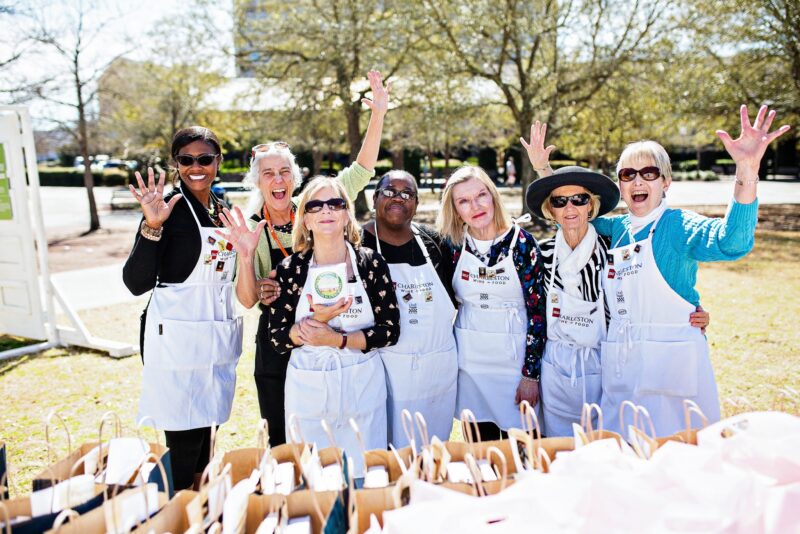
{"x": 538, "y": 155}
{"x": 748, "y": 149}
{"x": 379, "y": 105}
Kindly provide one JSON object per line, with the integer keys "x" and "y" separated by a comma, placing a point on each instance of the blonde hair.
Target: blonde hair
{"x": 449, "y": 222}
{"x": 647, "y": 149}
{"x": 547, "y": 210}
{"x": 302, "y": 238}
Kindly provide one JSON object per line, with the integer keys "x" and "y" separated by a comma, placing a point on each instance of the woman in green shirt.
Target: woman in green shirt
{"x": 274, "y": 171}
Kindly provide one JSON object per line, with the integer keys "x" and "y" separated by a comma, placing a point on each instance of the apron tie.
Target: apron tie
{"x": 324, "y": 360}
{"x": 624, "y": 331}
{"x": 415, "y": 361}
{"x": 513, "y": 313}
{"x": 581, "y": 354}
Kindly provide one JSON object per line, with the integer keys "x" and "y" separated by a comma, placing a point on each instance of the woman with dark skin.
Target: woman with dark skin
{"x": 422, "y": 368}
{"x": 191, "y": 338}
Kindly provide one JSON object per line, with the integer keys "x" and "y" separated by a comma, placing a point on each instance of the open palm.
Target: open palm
{"x": 241, "y": 237}
{"x": 380, "y": 93}
{"x": 748, "y": 149}
{"x": 151, "y": 198}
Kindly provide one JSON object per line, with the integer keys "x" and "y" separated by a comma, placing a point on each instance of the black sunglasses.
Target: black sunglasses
{"x": 581, "y": 199}
{"x": 334, "y": 204}
{"x": 647, "y": 173}
{"x": 391, "y": 193}
{"x": 187, "y": 160}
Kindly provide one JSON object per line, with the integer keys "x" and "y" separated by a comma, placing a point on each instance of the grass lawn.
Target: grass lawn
{"x": 754, "y": 345}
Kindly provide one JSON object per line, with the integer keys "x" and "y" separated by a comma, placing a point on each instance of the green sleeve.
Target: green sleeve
{"x": 355, "y": 178}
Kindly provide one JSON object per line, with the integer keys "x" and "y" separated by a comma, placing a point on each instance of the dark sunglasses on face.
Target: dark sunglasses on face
{"x": 334, "y": 204}
{"x": 581, "y": 199}
{"x": 266, "y": 146}
{"x": 391, "y": 193}
{"x": 647, "y": 173}
{"x": 187, "y": 160}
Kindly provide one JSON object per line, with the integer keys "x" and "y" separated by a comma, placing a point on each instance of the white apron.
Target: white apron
{"x": 337, "y": 384}
{"x": 653, "y": 356}
{"x": 422, "y": 368}
{"x": 192, "y": 342}
{"x": 571, "y": 362}
{"x": 491, "y": 329}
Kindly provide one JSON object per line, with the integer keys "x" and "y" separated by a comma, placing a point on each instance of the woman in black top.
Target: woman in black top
{"x": 334, "y": 371}
{"x": 191, "y": 338}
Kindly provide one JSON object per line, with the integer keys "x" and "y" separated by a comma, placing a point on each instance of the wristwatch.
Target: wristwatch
{"x": 150, "y": 233}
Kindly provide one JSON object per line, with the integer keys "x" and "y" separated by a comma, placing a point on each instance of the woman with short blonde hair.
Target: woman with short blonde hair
{"x": 336, "y": 308}
{"x": 500, "y": 326}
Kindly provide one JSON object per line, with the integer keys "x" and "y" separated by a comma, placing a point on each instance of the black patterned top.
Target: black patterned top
{"x": 291, "y": 276}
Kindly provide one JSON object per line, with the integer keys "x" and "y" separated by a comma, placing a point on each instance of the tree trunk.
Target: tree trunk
{"x": 526, "y": 177}
{"x": 88, "y": 179}
{"x": 354, "y": 141}
{"x": 316, "y": 156}
{"x": 397, "y": 159}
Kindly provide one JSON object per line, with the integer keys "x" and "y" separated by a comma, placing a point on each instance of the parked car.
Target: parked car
{"x": 231, "y": 192}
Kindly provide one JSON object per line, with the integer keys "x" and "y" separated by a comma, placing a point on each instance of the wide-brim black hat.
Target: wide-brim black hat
{"x": 596, "y": 183}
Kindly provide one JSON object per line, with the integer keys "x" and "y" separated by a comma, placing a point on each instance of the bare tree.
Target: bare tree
{"x": 544, "y": 57}
{"x": 70, "y": 40}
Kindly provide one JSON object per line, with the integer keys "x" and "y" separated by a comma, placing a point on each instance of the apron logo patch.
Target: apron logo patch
{"x": 611, "y": 274}
{"x": 465, "y": 275}
{"x": 611, "y": 259}
{"x": 328, "y": 285}
{"x": 224, "y": 276}
{"x": 626, "y": 255}
{"x": 220, "y": 266}
{"x": 554, "y": 298}
{"x": 221, "y": 244}
{"x": 484, "y": 296}
{"x": 211, "y": 240}
{"x": 413, "y": 321}
{"x": 482, "y": 272}
{"x": 412, "y": 308}
{"x": 207, "y": 259}
{"x": 407, "y": 297}
{"x": 429, "y": 296}
{"x": 501, "y": 270}
{"x": 637, "y": 248}
{"x": 620, "y": 297}
{"x": 214, "y": 254}
{"x": 556, "y": 312}
{"x": 358, "y": 299}
{"x": 622, "y": 311}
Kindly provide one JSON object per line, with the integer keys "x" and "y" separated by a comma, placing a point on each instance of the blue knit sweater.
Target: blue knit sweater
{"x": 684, "y": 238}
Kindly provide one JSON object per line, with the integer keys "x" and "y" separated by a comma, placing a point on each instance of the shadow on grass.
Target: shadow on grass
{"x": 6, "y": 366}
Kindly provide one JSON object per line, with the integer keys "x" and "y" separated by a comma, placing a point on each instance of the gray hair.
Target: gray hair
{"x": 256, "y": 200}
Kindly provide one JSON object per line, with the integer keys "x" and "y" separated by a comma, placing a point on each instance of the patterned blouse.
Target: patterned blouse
{"x": 291, "y": 275}
{"x": 527, "y": 260}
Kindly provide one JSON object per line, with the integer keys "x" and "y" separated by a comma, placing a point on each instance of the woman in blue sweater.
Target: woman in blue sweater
{"x": 652, "y": 356}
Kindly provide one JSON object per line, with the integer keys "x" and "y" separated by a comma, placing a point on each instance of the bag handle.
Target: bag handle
{"x": 690, "y": 407}
{"x": 361, "y": 443}
{"x": 102, "y": 460}
{"x": 408, "y": 428}
{"x": 295, "y": 434}
{"x": 149, "y": 456}
{"x": 586, "y": 419}
{"x": 503, "y": 473}
{"x": 403, "y": 468}
{"x": 530, "y": 421}
{"x": 327, "y": 429}
{"x": 469, "y": 427}
{"x": 64, "y": 516}
{"x": 140, "y": 426}
{"x": 47, "y": 422}
{"x": 422, "y": 427}
{"x": 475, "y": 472}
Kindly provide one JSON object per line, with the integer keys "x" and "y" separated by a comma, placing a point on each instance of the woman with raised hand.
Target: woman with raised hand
{"x": 652, "y": 356}
{"x": 191, "y": 338}
{"x": 422, "y": 368}
{"x": 498, "y": 282}
{"x": 336, "y": 309}
{"x": 275, "y": 173}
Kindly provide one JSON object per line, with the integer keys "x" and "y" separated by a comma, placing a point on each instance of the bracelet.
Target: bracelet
{"x": 539, "y": 171}
{"x": 746, "y": 182}
{"x": 344, "y": 341}
{"x": 529, "y": 379}
{"x": 150, "y": 233}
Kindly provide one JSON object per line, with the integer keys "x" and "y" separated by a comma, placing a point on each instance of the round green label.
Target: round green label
{"x": 328, "y": 285}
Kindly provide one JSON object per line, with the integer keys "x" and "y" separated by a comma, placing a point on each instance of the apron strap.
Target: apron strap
{"x": 191, "y": 208}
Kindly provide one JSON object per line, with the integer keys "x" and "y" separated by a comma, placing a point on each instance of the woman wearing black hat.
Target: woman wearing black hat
{"x": 574, "y": 262}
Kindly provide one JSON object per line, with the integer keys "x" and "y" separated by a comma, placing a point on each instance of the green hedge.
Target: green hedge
{"x": 68, "y": 177}
{"x": 703, "y": 176}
